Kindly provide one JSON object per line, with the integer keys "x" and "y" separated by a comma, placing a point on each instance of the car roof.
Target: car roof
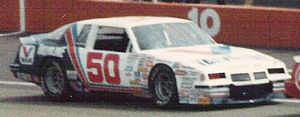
{"x": 132, "y": 21}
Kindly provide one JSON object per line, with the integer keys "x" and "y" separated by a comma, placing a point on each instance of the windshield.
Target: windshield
{"x": 170, "y": 35}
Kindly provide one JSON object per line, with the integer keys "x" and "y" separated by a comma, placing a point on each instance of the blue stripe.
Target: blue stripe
{"x": 74, "y": 31}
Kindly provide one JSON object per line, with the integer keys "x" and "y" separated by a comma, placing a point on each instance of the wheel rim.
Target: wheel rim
{"x": 54, "y": 80}
{"x": 164, "y": 87}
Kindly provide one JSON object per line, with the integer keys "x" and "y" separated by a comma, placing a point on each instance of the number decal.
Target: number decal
{"x": 109, "y": 78}
{"x": 98, "y": 77}
{"x": 203, "y": 20}
{"x": 111, "y": 68}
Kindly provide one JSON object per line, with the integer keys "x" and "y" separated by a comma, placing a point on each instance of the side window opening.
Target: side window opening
{"x": 55, "y": 38}
{"x": 83, "y": 35}
{"x": 111, "y": 39}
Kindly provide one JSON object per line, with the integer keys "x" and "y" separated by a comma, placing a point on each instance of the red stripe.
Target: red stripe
{"x": 73, "y": 55}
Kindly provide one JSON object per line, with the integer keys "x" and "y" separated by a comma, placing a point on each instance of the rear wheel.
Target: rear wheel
{"x": 163, "y": 86}
{"x": 54, "y": 82}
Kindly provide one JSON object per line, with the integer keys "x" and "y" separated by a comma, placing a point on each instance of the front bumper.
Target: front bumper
{"x": 233, "y": 94}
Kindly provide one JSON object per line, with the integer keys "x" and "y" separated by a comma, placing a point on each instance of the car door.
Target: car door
{"x": 104, "y": 57}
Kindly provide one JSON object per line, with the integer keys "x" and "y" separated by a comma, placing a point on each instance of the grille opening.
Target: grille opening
{"x": 240, "y": 77}
{"x": 250, "y": 91}
{"x": 260, "y": 75}
{"x": 276, "y": 71}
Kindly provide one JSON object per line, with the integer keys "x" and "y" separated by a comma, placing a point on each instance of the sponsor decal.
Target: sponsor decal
{"x": 145, "y": 76}
{"x": 192, "y": 73}
{"x": 135, "y": 82}
{"x": 147, "y": 57}
{"x": 187, "y": 68}
{"x": 183, "y": 93}
{"x": 176, "y": 65}
{"x": 180, "y": 72}
{"x": 128, "y": 74}
{"x": 183, "y": 99}
{"x": 210, "y": 61}
{"x": 149, "y": 63}
{"x": 132, "y": 59}
{"x": 133, "y": 56}
{"x": 221, "y": 50}
{"x": 129, "y": 68}
{"x": 187, "y": 82}
{"x": 26, "y": 54}
{"x": 141, "y": 63}
{"x": 142, "y": 69}
{"x": 137, "y": 74}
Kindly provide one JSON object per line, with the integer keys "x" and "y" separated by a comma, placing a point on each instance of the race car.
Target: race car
{"x": 169, "y": 60}
{"x": 293, "y": 85}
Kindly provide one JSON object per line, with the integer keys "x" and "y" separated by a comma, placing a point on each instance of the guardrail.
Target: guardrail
{"x": 236, "y": 25}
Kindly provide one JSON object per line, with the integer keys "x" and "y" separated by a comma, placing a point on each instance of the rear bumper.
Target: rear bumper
{"x": 16, "y": 70}
{"x": 234, "y": 94}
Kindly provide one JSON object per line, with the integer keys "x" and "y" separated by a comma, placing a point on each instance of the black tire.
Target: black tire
{"x": 54, "y": 82}
{"x": 163, "y": 86}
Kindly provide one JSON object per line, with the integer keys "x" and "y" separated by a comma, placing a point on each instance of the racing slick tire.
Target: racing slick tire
{"x": 54, "y": 82}
{"x": 163, "y": 86}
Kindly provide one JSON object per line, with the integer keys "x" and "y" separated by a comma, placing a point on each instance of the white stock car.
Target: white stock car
{"x": 168, "y": 59}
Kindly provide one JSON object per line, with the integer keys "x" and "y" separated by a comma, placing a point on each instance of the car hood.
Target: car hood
{"x": 214, "y": 57}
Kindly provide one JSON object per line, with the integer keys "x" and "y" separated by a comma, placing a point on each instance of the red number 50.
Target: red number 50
{"x": 98, "y": 77}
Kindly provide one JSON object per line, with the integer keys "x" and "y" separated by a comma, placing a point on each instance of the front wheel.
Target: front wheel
{"x": 54, "y": 81}
{"x": 163, "y": 86}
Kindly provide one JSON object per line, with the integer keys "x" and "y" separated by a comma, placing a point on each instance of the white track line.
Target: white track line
{"x": 287, "y": 100}
{"x": 17, "y": 83}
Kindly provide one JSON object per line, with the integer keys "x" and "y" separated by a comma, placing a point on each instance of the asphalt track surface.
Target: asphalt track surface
{"x": 26, "y": 100}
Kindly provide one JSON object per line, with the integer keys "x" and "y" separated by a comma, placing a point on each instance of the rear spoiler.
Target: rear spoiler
{"x": 32, "y": 39}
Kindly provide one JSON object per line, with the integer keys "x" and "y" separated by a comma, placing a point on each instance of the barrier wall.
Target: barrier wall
{"x": 9, "y": 15}
{"x": 247, "y": 26}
